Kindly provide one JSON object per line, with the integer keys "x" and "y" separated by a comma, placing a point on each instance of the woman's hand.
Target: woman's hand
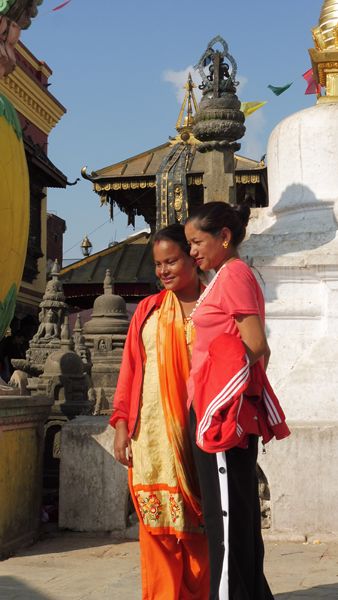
{"x": 122, "y": 446}
{"x": 253, "y": 337}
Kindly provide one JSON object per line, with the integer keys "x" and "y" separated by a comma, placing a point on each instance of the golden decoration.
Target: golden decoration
{"x": 185, "y": 121}
{"x": 325, "y": 34}
{"x": 138, "y": 184}
{"x": 31, "y": 100}
{"x": 248, "y": 179}
{"x": 324, "y": 69}
{"x": 324, "y": 56}
{"x": 178, "y": 198}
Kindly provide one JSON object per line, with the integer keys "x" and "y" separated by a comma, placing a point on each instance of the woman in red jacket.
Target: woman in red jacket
{"x": 230, "y": 308}
{"x": 152, "y": 429}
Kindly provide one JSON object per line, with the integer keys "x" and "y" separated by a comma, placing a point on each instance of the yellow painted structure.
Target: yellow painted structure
{"x": 18, "y": 474}
{"x": 14, "y": 210}
{"x": 21, "y": 448}
{"x": 40, "y": 108}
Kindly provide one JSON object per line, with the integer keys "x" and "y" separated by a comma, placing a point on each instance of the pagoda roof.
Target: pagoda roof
{"x": 37, "y": 157}
{"x": 131, "y": 184}
{"x": 147, "y": 164}
{"x": 131, "y": 266}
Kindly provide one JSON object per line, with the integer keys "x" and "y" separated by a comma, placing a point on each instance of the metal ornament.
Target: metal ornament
{"x": 219, "y": 121}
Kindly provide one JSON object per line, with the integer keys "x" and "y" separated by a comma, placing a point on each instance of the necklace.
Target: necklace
{"x": 207, "y": 289}
{"x": 188, "y": 329}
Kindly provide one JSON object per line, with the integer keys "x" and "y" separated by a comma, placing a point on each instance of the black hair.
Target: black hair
{"x": 213, "y": 216}
{"x": 173, "y": 233}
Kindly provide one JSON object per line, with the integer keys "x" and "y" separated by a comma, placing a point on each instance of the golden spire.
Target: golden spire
{"x": 186, "y": 115}
{"x": 326, "y": 33}
{"x": 324, "y": 56}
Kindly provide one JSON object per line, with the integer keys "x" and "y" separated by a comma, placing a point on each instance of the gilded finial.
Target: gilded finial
{"x": 326, "y": 33}
{"x": 324, "y": 56}
{"x": 185, "y": 119}
{"x": 189, "y": 106}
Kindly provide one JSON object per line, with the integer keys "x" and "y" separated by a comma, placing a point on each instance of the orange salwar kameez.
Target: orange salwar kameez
{"x": 174, "y": 554}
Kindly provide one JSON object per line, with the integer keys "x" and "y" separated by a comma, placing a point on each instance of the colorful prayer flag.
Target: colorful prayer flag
{"x": 312, "y": 86}
{"x": 61, "y": 5}
{"x": 250, "y": 107}
{"x": 279, "y": 90}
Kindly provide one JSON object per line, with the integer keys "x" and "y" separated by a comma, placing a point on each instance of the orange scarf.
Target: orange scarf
{"x": 174, "y": 367}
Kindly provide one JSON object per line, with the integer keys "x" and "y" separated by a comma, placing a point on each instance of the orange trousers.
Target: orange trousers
{"x": 173, "y": 569}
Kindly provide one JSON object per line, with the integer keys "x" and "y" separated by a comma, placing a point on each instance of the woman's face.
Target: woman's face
{"x": 207, "y": 250}
{"x": 175, "y": 269}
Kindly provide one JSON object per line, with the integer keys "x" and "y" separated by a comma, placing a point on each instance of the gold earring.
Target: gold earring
{"x": 225, "y": 244}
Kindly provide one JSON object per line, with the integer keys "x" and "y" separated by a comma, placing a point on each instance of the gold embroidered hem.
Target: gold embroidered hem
{"x": 162, "y": 509}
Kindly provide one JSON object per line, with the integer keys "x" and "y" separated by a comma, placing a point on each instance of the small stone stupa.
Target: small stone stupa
{"x": 294, "y": 248}
{"x": 105, "y": 333}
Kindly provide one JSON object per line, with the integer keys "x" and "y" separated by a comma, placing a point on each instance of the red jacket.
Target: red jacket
{"x": 233, "y": 400}
{"x": 126, "y": 404}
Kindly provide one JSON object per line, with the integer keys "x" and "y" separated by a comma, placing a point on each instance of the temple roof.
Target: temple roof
{"x": 147, "y": 164}
{"x": 132, "y": 272}
{"x": 164, "y": 183}
{"x": 50, "y": 174}
{"x": 129, "y": 261}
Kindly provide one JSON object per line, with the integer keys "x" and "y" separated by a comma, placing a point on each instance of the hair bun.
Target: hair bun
{"x": 243, "y": 211}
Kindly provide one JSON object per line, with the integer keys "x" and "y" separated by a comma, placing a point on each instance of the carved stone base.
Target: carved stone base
{"x": 88, "y": 463}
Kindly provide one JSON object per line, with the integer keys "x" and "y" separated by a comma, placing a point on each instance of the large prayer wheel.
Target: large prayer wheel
{"x": 14, "y": 210}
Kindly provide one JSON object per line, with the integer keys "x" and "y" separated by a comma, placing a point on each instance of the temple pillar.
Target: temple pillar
{"x": 218, "y": 178}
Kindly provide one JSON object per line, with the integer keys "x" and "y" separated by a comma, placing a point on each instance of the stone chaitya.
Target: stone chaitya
{"x": 87, "y": 459}
{"x": 105, "y": 334}
{"x": 51, "y": 365}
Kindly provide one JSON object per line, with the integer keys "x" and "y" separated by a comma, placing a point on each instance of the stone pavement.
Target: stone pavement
{"x": 75, "y": 566}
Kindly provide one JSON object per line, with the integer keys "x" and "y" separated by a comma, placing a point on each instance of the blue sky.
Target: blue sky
{"x": 117, "y": 67}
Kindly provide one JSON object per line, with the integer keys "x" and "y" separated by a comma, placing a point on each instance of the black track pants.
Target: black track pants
{"x": 230, "y": 502}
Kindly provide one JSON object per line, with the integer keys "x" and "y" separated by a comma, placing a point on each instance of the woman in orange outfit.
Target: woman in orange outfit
{"x": 152, "y": 429}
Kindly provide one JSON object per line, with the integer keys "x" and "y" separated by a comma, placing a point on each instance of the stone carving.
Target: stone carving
{"x": 9, "y": 36}
{"x": 52, "y": 315}
{"x": 105, "y": 334}
{"x": 20, "y": 11}
{"x": 219, "y": 122}
{"x": 48, "y": 328}
{"x": 51, "y": 366}
{"x": 14, "y": 16}
{"x": 101, "y": 402}
{"x": 63, "y": 379}
{"x": 80, "y": 344}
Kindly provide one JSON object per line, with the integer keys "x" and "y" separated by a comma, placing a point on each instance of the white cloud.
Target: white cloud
{"x": 180, "y": 78}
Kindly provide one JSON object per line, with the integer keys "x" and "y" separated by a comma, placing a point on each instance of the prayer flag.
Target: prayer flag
{"x": 312, "y": 86}
{"x": 279, "y": 90}
{"x": 61, "y": 5}
{"x": 250, "y": 107}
